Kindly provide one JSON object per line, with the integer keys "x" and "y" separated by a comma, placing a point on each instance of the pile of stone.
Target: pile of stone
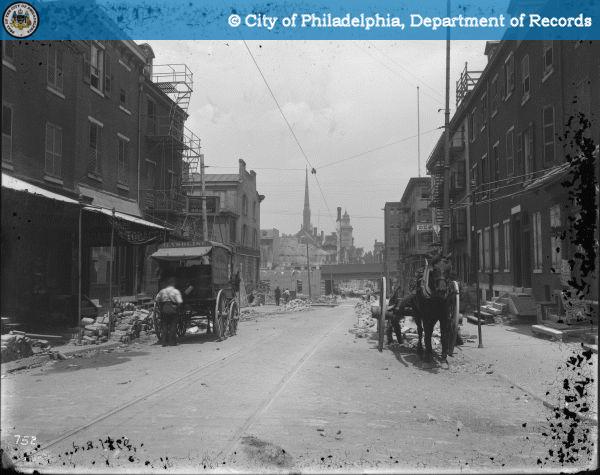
{"x": 127, "y": 322}
{"x": 296, "y": 305}
{"x": 248, "y": 314}
{"x": 17, "y": 345}
{"x": 327, "y": 299}
{"x": 365, "y": 324}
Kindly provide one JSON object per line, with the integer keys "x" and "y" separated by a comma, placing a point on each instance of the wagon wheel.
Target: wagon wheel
{"x": 453, "y": 309}
{"x": 221, "y": 316}
{"x": 234, "y": 315}
{"x": 156, "y": 322}
{"x": 182, "y": 324}
{"x": 383, "y": 309}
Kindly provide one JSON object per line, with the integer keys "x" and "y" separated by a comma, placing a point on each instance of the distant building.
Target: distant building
{"x": 345, "y": 241}
{"x": 416, "y": 226}
{"x": 391, "y": 240}
{"x": 378, "y": 251}
{"x": 233, "y": 216}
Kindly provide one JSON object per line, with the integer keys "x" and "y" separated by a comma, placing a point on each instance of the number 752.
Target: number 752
{"x": 26, "y": 439}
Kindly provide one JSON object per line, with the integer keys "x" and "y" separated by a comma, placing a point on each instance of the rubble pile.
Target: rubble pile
{"x": 327, "y": 299}
{"x": 248, "y": 314}
{"x": 296, "y": 305}
{"x": 17, "y": 345}
{"x": 127, "y": 323}
{"x": 365, "y": 324}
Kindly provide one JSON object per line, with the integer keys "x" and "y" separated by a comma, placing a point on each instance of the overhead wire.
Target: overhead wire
{"x": 290, "y": 129}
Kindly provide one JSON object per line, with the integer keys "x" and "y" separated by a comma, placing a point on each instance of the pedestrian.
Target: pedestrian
{"x": 277, "y": 295}
{"x": 286, "y": 296}
{"x": 169, "y": 300}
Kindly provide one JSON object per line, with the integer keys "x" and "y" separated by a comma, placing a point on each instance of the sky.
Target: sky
{"x": 350, "y": 102}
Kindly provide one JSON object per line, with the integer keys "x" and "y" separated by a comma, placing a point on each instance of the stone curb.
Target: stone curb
{"x": 535, "y": 396}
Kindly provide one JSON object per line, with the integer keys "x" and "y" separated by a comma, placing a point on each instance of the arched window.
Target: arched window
{"x": 245, "y": 205}
{"x": 244, "y": 234}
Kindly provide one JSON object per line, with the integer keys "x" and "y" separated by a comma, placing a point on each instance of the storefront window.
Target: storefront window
{"x": 100, "y": 268}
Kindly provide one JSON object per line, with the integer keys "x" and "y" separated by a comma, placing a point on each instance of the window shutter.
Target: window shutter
{"x": 107, "y": 74}
{"x": 86, "y": 67}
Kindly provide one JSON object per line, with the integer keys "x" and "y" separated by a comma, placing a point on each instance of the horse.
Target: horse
{"x": 430, "y": 303}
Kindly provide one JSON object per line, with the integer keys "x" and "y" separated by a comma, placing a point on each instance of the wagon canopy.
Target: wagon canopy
{"x": 185, "y": 251}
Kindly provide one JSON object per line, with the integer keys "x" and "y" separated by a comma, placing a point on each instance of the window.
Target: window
{"x": 506, "y": 231}
{"x": 100, "y": 268}
{"x": 496, "y": 154}
{"x": 95, "y": 156}
{"x": 232, "y": 231}
{"x": 244, "y": 234}
{"x": 424, "y": 216}
{"x": 496, "y": 247}
{"x": 510, "y": 163}
{"x": 548, "y": 59}
{"x": 123, "y": 160}
{"x": 299, "y": 286}
{"x": 97, "y": 67}
{"x": 537, "y": 241}
{"x": 555, "y": 241}
{"x": 244, "y": 206}
{"x": 254, "y": 210}
{"x": 528, "y": 150}
{"x": 425, "y": 192}
{"x": 473, "y": 125}
{"x": 486, "y": 250}
{"x": 483, "y": 171}
{"x": 55, "y": 67}
{"x": 150, "y": 173}
{"x": 151, "y": 117}
{"x": 123, "y": 97}
{"x": 495, "y": 93}
{"x": 254, "y": 239}
{"x": 525, "y": 80}
{"x": 519, "y": 154}
{"x": 483, "y": 107}
{"x": 53, "y": 150}
{"x": 509, "y": 76}
{"x": 6, "y": 132}
{"x": 548, "y": 129}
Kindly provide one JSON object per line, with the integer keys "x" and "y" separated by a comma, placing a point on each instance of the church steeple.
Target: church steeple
{"x": 306, "y": 213}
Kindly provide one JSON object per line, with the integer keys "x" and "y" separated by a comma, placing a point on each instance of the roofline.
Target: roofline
{"x": 412, "y": 182}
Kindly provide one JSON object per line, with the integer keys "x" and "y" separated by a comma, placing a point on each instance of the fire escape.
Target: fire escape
{"x": 176, "y": 145}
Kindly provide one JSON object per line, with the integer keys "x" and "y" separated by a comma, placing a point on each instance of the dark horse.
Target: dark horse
{"x": 428, "y": 304}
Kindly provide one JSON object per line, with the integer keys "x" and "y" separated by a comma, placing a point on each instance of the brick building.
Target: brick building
{"x": 233, "y": 216}
{"x": 510, "y": 118}
{"x": 416, "y": 227}
{"x": 72, "y": 140}
{"x": 391, "y": 239}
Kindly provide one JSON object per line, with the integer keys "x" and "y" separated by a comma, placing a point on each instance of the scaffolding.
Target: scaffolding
{"x": 178, "y": 147}
{"x": 466, "y": 82}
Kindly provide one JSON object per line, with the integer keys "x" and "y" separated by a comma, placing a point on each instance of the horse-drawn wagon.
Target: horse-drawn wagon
{"x": 204, "y": 275}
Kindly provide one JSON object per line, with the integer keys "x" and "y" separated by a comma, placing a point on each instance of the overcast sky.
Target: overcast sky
{"x": 341, "y": 98}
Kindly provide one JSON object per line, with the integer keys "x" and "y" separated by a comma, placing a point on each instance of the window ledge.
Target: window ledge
{"x": 122, "y": 186}
{"x": 508, "y": 96}
{"x": 547, "y": 74}
{"x": 7, "y": 166}
{"x": 506, "y": 270}
{"x": 494, "y": 113}
{"x": 537, "y": 271}
{"x": 525, "y": 99}
{"x": 53, "y": 179}
{"x": 95, "y": 176}
{"x": 9, "y": 65}
{"x": 97, "y": 91}
{"x": 125, "y": 110}
{"x": 55, "y": 92}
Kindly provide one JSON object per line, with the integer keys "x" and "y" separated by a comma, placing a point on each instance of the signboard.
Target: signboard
{"x": 425, "y": 227}
{"x": 186, "y": 244}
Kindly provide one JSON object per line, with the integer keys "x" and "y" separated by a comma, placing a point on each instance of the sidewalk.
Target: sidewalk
{"x": 533, "y": 364}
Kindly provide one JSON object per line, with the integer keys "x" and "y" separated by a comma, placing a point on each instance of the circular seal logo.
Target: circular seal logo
{"x": 20, "y": 20}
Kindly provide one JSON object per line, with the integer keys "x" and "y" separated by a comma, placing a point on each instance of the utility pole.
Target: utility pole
{"x": 477, "y": 264}
{"x": 203, "y": 198}
{"x": 446, "y": 184}
{"x": 418, "y": 133}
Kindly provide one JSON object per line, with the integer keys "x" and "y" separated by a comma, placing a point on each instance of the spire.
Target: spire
{"x": 306, "y": 213}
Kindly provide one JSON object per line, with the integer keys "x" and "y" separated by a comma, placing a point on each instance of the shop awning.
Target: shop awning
{"x": 181, "y": 253}
{"x": 15, "y": 184}
{"x": 125, "y": 217}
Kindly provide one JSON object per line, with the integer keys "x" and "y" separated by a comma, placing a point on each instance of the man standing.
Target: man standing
{"x": 169, "y": 299}
{"x": 277, "y": 295}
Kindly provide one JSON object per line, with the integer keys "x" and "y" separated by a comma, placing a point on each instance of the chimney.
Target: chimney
{"x": 339, "y": 213}
{"x": 242, "y": 167}
{"x": 149, "y": 54}
{"x": 322, "y": 235}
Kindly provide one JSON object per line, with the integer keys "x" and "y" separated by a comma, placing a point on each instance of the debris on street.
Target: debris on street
{"x": 296, "y": 305}
{"x": 16, "y": 345}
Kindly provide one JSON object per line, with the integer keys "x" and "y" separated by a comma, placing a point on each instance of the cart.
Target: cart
{"x": 204, "y": 276}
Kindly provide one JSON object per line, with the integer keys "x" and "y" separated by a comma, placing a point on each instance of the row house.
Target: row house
{"x": 510, "y": 137}
{"x": 72, "y": 143}
{"x": 416, "y": 227}
{"x": 233, "y": 216}
{"x": 391, "y": 240}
